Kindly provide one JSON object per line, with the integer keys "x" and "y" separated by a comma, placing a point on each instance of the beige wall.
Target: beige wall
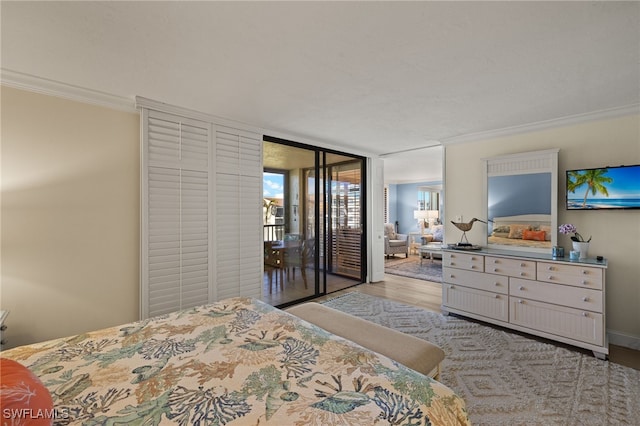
{"x": 70, "y": 212}
{"x": 70, "y": 216}
{"x": 616, "y": 234}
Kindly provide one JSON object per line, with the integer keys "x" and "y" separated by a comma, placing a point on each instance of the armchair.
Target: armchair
{"x": 395, "y": 243}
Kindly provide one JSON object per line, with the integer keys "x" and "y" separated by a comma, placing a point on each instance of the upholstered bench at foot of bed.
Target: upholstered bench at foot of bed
{"x": 412, "y": 352}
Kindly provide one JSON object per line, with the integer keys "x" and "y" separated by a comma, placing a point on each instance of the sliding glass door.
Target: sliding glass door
{"x": 313, "y": 221}
{"x": 345, "y": 225}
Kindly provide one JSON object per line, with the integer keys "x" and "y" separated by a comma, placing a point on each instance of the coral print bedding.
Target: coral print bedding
{"x": 236, "y": 362}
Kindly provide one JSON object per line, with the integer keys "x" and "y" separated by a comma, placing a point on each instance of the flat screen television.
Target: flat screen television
{"x": 604, "y": 188}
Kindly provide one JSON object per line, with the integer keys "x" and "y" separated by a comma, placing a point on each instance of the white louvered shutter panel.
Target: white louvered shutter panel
{"x": 176, "y": 219}
{"x": 238, "y": 213}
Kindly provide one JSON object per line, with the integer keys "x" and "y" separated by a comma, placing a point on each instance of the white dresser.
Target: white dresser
{"x": 557, "y": 299}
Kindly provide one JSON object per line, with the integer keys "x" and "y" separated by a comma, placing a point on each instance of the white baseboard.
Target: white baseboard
{"x": 620, "y": 339}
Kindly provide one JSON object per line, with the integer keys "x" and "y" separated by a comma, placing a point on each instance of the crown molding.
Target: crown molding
{"x": 547, "y": 124}
{"x": 142, "y": 102}
{"x": 45, "y": 86}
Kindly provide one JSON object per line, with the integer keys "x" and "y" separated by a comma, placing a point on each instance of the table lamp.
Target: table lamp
{"x": 422, "y": 216}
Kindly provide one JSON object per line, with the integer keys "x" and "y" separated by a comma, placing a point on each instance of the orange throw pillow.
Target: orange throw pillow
{"x": 23, "y": 397}
{"x": 533, "y": 235}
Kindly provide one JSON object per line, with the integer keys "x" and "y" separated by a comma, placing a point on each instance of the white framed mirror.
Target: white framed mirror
{"x": 521, "y": 191}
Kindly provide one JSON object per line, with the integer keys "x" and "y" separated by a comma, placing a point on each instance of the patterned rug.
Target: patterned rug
{"x": 508, "y": 379}
{"x": 410, "y": 267}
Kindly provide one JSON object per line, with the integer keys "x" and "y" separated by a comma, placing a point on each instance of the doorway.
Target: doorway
{"x": 313, "y": 219}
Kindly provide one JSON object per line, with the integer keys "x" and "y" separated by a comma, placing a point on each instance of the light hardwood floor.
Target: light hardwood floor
{"x": 428, "y": 295}
{"x": 293, "y": 288}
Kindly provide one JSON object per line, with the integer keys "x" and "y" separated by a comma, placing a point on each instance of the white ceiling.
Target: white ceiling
{"x": 370, "y": 77}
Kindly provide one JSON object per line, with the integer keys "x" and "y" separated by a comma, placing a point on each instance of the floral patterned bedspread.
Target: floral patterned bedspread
{"x": 237, "y": 361}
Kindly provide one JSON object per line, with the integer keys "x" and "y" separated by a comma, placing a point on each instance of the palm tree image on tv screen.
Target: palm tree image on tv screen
{"x": 604, "y": 188}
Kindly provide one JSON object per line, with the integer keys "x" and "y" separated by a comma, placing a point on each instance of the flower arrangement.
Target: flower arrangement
{"x": 568, "y": 228}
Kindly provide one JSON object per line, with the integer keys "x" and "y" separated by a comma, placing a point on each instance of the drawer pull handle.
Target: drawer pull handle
{"x": 585, "y": 299}
{"x": 451, "y": 276}
{"x": 473, "y": 258}
{"x": 473, "y": 266}
{"x": 550, "y": 268}
{"x": 585, "y": 272}
{"x": 523, "y": 264}
{"x": 451, "y": 263}
{"x": 497, "y": 296}
{"x": 521, "y": 288}
{"x": 522, "y": 274}
{"x": 495, "y": 269}
{"x": 496, "y": 283}
{"x": 550, "y": 277}
{"x": 584, "y": 314}
{"x": 451, "y": 286}
{"x": 521, "y": 301}
{"x": 584, "y": 282}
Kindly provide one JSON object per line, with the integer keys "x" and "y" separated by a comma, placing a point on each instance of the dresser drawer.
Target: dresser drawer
{"x": 576, "y": 324}
{"x": 510, "y": 267}
{"x": 487, "y": 304}
{"x": 471, "y": 262}
{"x": 478, "y": 280}
{"x": 574, "y": 297}
{"x": 575, "y": 275}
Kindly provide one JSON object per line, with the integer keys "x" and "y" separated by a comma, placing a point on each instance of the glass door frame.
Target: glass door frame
{"x": 334, "y": 225}
{"x": 321, "y": 190}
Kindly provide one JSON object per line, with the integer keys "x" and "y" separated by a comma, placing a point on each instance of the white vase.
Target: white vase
{"x": 583, "y": 248}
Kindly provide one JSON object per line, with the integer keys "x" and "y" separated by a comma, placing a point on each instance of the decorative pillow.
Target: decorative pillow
{"x": 436, "y": 231}
{"x": 22, "y": 392}
{"x": 547, "y": 231}
{"x": 502, "y": 228}
{"x": 390, "y": 231}
{"x": 533, "y": 235}
{"x": 516, "y": 231}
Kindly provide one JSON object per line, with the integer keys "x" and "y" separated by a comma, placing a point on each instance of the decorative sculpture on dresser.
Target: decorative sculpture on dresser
{"x": 464, "y": 227}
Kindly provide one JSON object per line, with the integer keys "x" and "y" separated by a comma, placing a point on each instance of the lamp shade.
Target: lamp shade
{"x": 421, "y": 214}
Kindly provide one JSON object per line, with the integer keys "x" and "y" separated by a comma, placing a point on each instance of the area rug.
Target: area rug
{"x": 410, "y": 267}
{"x": 509, "y": 379}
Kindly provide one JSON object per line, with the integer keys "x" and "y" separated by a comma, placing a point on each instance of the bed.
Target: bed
{"x": 237, "y": 361}
{"x": 531, "y": 230}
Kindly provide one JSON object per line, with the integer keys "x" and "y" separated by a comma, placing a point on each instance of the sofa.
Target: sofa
{"x": 395, "y": 243}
